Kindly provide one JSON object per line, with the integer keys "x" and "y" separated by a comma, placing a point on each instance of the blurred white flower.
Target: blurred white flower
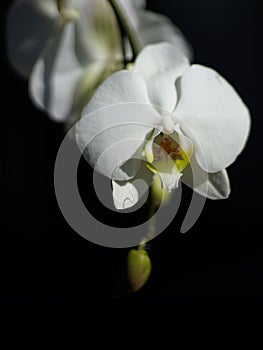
{"x": 154, "y": 28}
{"x": 59, "y": 44}
{"x": 68, "y": 47}
{"x": 169, "y": 113}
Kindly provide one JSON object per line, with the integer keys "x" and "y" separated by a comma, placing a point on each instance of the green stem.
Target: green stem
{"x": 127, "y": 26}
{"x": 151, "y": 226}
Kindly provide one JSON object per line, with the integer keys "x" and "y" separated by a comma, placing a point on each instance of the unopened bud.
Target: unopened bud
{"x": 139, "y": 268}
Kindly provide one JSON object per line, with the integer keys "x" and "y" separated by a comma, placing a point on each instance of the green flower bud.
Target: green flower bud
{"x": 139, "y": 268}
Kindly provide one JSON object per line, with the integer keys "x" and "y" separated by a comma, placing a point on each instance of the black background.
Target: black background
{"x": 221, "y": 256}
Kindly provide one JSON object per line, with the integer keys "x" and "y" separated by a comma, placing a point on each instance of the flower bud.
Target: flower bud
{"x": 139, "y": 268}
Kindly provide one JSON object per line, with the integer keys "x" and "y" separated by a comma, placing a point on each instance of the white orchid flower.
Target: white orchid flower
{"x": 189, "y": 111}
{"x": 59, "y": 43}
{"x": 66, "y": 48}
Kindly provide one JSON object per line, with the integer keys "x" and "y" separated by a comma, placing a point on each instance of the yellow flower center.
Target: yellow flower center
{"x": 170, "y": 148}
{"x": 165, "y": 145}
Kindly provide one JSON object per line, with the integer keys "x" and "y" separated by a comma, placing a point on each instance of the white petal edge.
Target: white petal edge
{"x": 139, "y": 4}
{"x": 155, "y": 28}
{"x": 160, "y": 65}
{"x": 210, "y": 185}
{"x": 115, "y": 124}
{"x": 55, "y": 75}
{"x": 126, "y": 194}
{"x": 122, "y": 87}
{"x": 213, "y": 116}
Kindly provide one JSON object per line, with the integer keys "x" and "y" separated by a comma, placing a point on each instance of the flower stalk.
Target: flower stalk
{"x": 127, "y": 27}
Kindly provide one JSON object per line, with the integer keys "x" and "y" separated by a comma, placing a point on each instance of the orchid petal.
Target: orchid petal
{"x": 160, "y": 65}
{"x": 122, "y": 87}
{"x": 95, "y": 73}
{"x": 139, "y": 4}
{"x": 155, "y": 28}
{"x": 213, "y": 116}
{"x": 127, "y": 193}
{"x": 29, "y": 24}
{"x": 210, "y": 185}
{"x": 55, "y": 75}
{"x": 97, "y": 32}
{"x": 115, "y": 124}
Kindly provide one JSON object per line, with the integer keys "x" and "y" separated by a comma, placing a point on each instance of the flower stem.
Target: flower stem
{"x": 127, "y": 26}
{"x": 151, "y": 227}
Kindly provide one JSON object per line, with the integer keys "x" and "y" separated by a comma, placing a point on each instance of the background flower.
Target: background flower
{"x": 78, "y": 40}
{"x": 68, "y": 47}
